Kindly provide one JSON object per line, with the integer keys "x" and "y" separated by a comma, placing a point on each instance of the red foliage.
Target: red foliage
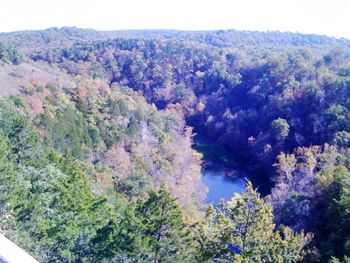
{"x": 34, "y": 82}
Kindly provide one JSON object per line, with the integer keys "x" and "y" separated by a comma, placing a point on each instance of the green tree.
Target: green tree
{"x": 342, "y": 139}
{"x": 279, "y": 129}
{"x": 7, "y": 180}
{"x": 9, "y": 53}
{"x": 336, "y": 225}
{"x": 56, "y": 207}
{"x": 163, "y": 233}
{"x": 242, "y": 230}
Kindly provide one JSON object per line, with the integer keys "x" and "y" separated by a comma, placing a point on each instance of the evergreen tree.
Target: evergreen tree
{"x": 242, "y": 230}
{"x": 163, "y": 233}
{"x": 7, "y": 180}
{"x": 335, "y": 239}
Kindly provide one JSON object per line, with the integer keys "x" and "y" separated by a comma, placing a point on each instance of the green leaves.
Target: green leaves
{"x": 59, "y": 212}
{"x": 50, "y": 211}
{"x": 163, "y": 235}
{"x": 246, "y": 222}
{"x": 279, "y": 129}
{"x": 45, "y": 198}
{"x": 336, "y": 225}
{"x": 9, "y": 54}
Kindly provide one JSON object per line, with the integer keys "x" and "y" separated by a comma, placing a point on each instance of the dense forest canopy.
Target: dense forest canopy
{"x": 52, "y": 37}
{"x": 105, "y": 120}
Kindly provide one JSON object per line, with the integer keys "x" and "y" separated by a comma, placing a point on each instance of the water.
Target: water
{"x": 217, "y": 165}
{"x": 220, "y": 185}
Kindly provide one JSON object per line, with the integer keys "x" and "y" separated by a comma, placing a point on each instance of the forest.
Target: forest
{"x": 96, "y": 137}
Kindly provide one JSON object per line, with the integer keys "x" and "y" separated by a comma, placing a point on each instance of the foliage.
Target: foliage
{"x": 242, "y": 230}
{"x": 81, "y": 156}
{"x": 47, "y": 199}
{"x": 163, "y": 235}
{"x": 254, "y": 100}
{"x": 9, "y": 54}
{"x": 120, "y": 131}
{"x": 279, "y": 129}
{"x": 311, "y": 194}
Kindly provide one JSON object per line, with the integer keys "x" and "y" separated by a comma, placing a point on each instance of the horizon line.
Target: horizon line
{"x": 175, "y": 29}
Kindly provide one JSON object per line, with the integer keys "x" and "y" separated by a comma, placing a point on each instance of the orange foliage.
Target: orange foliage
{"x": 35, "y": 104}
{"x": 102, "y": 87}
{"x": 80, "y": 94}
{"x": 105, "y": 179}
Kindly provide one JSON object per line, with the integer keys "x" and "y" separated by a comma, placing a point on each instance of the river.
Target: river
{"x": 220, "y": 172}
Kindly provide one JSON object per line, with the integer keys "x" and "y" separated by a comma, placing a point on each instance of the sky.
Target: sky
{"x": 325, "y": 17}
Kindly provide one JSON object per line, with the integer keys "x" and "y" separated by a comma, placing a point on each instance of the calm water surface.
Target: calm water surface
{"x": 218, "y": 163}
{"x": 220, "y": 185}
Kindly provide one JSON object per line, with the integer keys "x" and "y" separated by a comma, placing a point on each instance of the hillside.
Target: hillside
{"x": 105, "y": 121}
{"x": 66, "y": 36}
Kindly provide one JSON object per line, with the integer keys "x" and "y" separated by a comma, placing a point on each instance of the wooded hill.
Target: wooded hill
{"x": 118, "y": 104}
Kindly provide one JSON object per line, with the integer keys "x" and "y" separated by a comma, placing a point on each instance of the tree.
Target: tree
{"x": 336, "y": 225}
{"x": 9, "y": 53}
{"x": 7, "y": 177}
{"x": 163, "y": 233}
{"x": 279, "y": 129}
{"x": 242, "y": 230}
{"x": 342, "y": 139}
{"x": 55, "y": 206}
{"x": 285, "y": 166}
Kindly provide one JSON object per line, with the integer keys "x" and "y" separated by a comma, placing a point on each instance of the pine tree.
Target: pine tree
{"x": 163, "y": 233}
{"x": 242, "y": 230}
{"x": 335, "y": 240}
{"x": 7, "y": 178}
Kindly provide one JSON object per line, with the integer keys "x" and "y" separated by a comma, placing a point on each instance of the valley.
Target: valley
{"x": 117, "y": 146}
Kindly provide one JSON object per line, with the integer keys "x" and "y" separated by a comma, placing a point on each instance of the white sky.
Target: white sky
{"x": 328, "y": 17}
